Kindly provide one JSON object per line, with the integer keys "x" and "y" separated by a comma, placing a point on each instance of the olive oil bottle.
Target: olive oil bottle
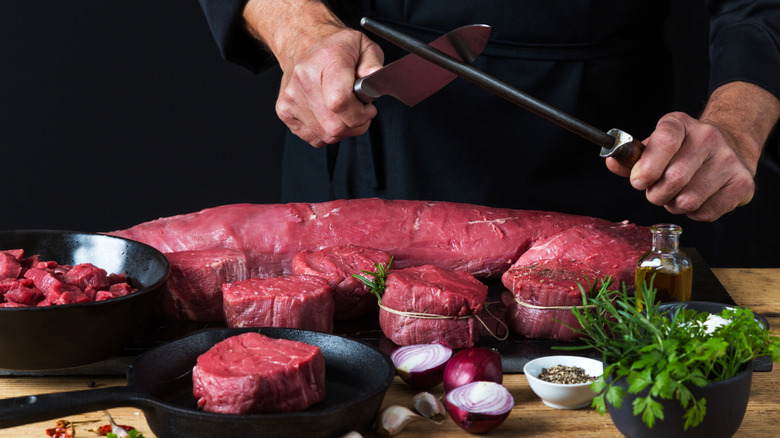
{"x": 668, "y": 268}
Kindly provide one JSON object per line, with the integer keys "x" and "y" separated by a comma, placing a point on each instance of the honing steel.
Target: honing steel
{"x": 614, "y": 143}
{"x": 412, "y": 79}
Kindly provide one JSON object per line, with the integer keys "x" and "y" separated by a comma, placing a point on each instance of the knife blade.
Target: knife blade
{"x": 411, "y": 79}
{"x": 614, "y": 143}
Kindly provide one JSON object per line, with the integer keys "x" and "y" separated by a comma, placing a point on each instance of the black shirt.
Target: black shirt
{"x": 605, "y": 62}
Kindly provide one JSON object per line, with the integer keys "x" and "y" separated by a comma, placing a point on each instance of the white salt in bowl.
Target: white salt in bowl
{"x": 558, "y": 395}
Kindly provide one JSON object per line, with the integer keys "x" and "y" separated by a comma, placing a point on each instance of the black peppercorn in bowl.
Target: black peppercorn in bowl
{"x": 55, "y": 336}
{"x": 557, "y": 391}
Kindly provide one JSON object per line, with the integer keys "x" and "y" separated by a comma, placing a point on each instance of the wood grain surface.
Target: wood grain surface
{"x": 758, "y": 289}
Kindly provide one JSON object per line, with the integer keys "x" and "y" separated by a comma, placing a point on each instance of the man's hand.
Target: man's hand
{"x": 320, "y": 59}
{"x": 704, "y": 167}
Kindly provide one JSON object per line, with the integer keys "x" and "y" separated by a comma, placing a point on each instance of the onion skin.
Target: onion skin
{"x": 473, "y": 365}
{"x": 479, "y": 407}
{"x": 421, "y": 366}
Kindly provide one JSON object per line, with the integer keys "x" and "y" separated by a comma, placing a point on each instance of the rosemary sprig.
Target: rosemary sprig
{"x": 376, "y": 284}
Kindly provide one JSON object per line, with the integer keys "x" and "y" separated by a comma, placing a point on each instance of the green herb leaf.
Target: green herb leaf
{"x": 376, "y": 282}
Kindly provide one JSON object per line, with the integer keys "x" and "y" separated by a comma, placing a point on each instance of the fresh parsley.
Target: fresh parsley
{"x": 665, "y": 352}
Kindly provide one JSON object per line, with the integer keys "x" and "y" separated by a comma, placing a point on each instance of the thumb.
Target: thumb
{"x": 371, "y": 58}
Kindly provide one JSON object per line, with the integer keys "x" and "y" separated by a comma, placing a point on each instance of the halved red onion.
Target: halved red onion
{"x": 421, "y": 365}
{"x": 479, "y": 407}
{"x": 472, "y": 365}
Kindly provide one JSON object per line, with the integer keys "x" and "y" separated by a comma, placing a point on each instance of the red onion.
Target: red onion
{"x": 479, "y": 407}
{"x": 422, "y": 365}
{"x": 472, "y": 365}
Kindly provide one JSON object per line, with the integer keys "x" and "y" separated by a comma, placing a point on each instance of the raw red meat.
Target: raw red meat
{"x": 193, "y": 291}
{"x": 483, "y": 241}
{"x": 338, "y": 265}
{"x": 87, "y": 274}
{"x": 10, "y": 268}
{"x": 480, "y": 240}
{"x": 253, "y": 373}
{"x": 297, "y": 301}
{"x": 448, "y": 299}
{"x": 45, "y": 282}
{"x": 545, "y": 280}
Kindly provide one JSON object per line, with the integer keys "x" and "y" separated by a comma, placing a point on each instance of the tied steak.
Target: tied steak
{"x": 545, "y": 281}
{"x": 193, "y": 291}
{"x": 296, "y": 301}
{"x": 253, "y": 373}
{"x": 447, "y": 299}
{"x": 338, "y": 265}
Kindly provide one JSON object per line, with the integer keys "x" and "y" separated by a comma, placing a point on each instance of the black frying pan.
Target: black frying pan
{"x": 71, "y": 335}
{"x": 160, "y": 383}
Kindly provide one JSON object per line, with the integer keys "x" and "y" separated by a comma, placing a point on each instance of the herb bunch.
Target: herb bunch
{"x": 667, "y": 352}
{"x": 376, "y": 282}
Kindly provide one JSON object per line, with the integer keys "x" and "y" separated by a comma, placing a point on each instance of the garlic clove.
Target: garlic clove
{"x": 429, "y": 406}
{"x": 393, "y": 419}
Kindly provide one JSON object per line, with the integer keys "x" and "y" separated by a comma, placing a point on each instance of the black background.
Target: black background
{"x": 114, "y": 113}
{"x": 117, "y": 112}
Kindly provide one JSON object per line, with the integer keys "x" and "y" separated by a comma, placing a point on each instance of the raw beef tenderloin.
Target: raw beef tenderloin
{"x": 448, "y": 299}
{"x": 483, "y": 241}
{"x": 253, "y": 373}
{"x": 338, "y": 265}
{"x": 545, "y": 281}
{"x": 297, "y": 301}
{"x": 193, "y": 291}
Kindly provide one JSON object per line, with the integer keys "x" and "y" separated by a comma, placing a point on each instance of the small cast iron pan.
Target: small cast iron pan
{"x": 72, "y": 335}
{"x": 160, "y": 383}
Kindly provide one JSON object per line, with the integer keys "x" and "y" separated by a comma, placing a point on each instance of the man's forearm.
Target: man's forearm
{"x": 284, "y": 25}
{"x": 748, "y": 113}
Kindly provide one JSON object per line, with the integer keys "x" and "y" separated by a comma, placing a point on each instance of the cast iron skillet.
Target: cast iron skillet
{"x": 160, "y": 383}
{"x": 71, "y": 335}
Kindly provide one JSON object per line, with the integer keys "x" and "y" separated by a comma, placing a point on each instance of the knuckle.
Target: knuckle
{"x": 674, "y": 179}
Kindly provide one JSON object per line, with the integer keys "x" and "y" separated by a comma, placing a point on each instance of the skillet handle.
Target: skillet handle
{"x": 31, "y": 409}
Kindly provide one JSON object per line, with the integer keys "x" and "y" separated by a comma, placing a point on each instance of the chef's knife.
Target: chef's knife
{"x": 412, "y": 79}
{"x": 614, "y": 143}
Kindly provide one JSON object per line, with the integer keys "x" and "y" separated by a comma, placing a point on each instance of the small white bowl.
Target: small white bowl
{"x": 558, "y": 395}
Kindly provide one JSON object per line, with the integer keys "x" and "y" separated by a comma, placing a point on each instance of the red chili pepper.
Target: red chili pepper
{"x": 64, "y": 429}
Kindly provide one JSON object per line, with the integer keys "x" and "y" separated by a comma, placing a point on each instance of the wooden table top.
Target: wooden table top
{"x": 757, "y": 289}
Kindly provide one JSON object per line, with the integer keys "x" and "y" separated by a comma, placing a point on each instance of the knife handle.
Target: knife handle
{"x": 626, "y": 150}
{"x": 364, "y": 93}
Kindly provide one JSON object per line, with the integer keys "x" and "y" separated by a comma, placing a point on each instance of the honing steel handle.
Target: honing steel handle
{"x": 626, "y": 149}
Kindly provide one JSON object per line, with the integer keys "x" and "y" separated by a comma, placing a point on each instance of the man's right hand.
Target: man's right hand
{"x": 320, "y": 59}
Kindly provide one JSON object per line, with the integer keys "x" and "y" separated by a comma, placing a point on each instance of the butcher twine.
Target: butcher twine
{"x": 533, "y": 306}
{"x": 421, "y": 315}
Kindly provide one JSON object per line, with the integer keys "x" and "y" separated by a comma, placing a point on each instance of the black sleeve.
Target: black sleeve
{"x": 235, "y": 43}
{"x": 745, "y": 43}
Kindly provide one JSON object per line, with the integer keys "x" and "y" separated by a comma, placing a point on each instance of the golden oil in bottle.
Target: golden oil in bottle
{"x": 665, "y": 267}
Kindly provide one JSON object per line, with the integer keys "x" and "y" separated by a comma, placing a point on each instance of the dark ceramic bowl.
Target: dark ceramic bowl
{"x": 72, "y": 335}
{"x": 727, "y": 402}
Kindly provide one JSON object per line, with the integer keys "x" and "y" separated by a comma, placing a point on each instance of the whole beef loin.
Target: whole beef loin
{"x": 253, "y": 373}
{"x": 482, "y": 241}
{"x": 338, "y": 265}
{"x": 446, "y": 301}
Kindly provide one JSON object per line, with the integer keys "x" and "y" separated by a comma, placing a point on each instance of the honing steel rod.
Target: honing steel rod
{"x": 615, "y": 143}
